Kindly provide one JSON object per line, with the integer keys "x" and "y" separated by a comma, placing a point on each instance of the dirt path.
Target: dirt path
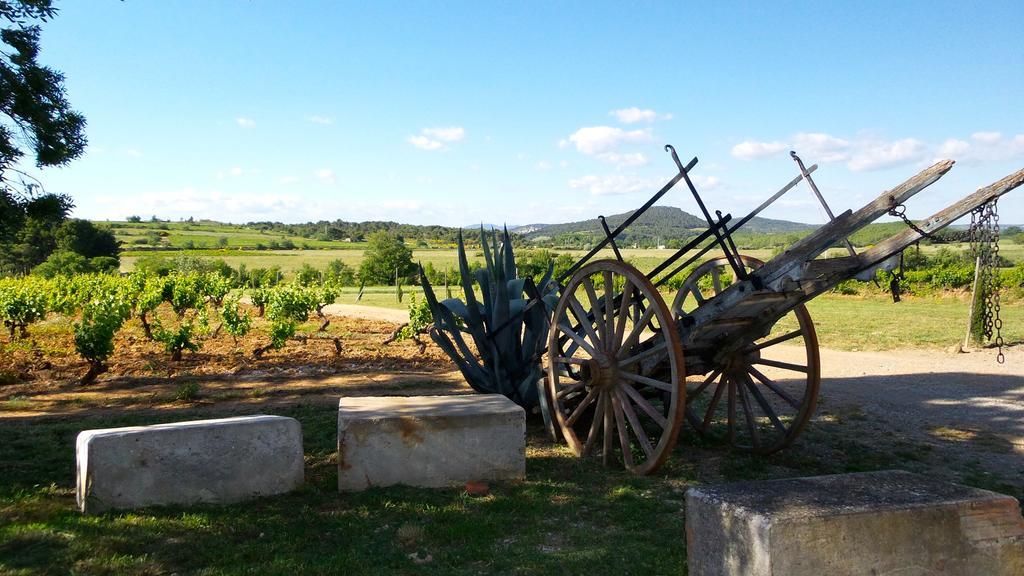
{"x": 368, "y": 312}
{"x": 930, "y": 388}
{"x": 963, "y": 412}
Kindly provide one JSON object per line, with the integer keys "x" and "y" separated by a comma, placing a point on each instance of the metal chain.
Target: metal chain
{"x": 984, "y": 240}
{"x": 983, "y": 237}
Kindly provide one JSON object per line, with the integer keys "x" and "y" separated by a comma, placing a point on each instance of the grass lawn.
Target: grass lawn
{"x": 569, "y": 516}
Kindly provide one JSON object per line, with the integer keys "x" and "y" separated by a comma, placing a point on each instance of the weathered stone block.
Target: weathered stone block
{"x": 888, "y": 522}
{"x": 212, "y": 461}
{"x": 429, "y": 441}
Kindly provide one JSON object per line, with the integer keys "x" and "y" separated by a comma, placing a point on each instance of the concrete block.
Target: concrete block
{"x": 888, "y": 522}
{"x": 429, "y": 441}
{"x": 203, "y": 461}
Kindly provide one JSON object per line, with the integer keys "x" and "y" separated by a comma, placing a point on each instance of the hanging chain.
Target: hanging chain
{"x": 984, "y": 238}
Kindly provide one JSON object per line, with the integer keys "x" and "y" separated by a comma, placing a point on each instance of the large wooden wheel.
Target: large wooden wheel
{"x": 760, "y": 393}
{"x": 615, "y": 368}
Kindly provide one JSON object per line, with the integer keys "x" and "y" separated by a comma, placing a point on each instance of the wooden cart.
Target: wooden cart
{"x": 734, "y": 353}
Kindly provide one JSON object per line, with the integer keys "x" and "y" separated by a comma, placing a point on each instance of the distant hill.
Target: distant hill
{"x": 659, "y": 222}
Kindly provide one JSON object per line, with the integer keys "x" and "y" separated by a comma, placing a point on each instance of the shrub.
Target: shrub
{"x": 386, "y": 255}
{"x": 63, "y": 263}
{"x": 94, "y": 335}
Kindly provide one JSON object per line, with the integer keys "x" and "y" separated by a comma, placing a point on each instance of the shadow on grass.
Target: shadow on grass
{"x": 570, "y": 515}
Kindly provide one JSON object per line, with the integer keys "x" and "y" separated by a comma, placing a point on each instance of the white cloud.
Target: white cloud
{"x": 752, "y": 149}
{"x": 985, "y": 147}
{"x": 706, "y": 182}
{"x": 623, "y": 160}
{"x": 594, "y": 140}
{"x": 325, "y": 175}
{"x": 861, "y": 154}
{"x": 286, "y": 180}
{"x": 450, "y": 134}
{"x": 821, "y": 147}
{"x": 434, "y": 138}
{"x": 615, "y": 184}
{"x": 322, "y": 120}
{"x": 245, "y": 122}
{"x": 424, "y": 143}
{"x": 132, "y": 153}
{"x": 987, "y": 137}
{"x": 953, "y": 148}
{"x": 886, "y": 155}
{"x": 235, "y": 171}
{"x": 543, "y": 166}
{"x": 563, "y": 164}
{"x": 634, "y": 115}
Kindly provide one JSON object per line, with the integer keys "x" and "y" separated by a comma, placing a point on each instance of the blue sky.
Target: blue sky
{"x": 455, "y": 113}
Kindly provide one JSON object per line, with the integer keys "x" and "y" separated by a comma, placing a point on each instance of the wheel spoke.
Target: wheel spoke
{"x": 644, "y": 405}
{"x": 697, "y": 295}
{"x": 609, "y": 423}
{"x": 783, "y": 365}
{"x": 595, "y": 425}
{"x": 578, "y": 340}
{"x": 620, "y": 425}
{"x": 774, "y": 341}
{"x": 715, "y": 399}
{"x": 643, "y": 355}
{"x": 565, "y": 360}
{"x": 763, "y": 402}
{"x": 624, "y": 306}
{"x": 732, "y": 410}
{"x": 595, "y": 306}
{"x": 634, "y": 423}
{"x": 667, "y": 387}
{"x": 569, "y": 390}
{"x": 707, "y": 382}
{"x": 609, "y": 307}
{"x": 587, "y": 401}
{"x": 638, "y": 328}
{"x": 774, "y": 387}
{"x": 584, "y": 320}
{"x": 748, "y": 413}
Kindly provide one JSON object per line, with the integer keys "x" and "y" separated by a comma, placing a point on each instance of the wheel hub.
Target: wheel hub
{"x": 604, "y": 372}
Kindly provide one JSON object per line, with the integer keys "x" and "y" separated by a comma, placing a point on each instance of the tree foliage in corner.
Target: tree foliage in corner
{"x": 32, "y": 96}
{"x": 35, "y": 119}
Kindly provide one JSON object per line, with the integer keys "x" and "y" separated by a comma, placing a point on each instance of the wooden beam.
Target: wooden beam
{"x": 941, "y": 219}
{"x": 849, "y": 222}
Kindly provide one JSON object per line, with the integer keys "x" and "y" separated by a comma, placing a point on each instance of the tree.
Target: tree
{"x": 386, "y": 255}
{"x": 35, "y": 115}
{"x": 85, "y": 238}
{"x": 32, "y": 97}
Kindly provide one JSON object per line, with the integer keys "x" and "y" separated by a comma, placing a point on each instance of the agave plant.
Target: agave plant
{"x": 507, "y": 324}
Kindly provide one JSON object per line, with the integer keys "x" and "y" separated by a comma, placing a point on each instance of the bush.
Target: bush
{"x": 308, "y": 275}
{"x": 63, "y": 263}
{"x": 340, "y": 274}
{"x": 386, "y": 255}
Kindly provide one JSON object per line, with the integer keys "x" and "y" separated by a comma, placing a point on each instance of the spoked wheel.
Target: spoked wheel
{"x": 615, "y": 368}
{"x": 760, "y": 394}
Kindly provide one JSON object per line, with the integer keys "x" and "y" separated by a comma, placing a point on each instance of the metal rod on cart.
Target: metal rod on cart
{"x": 679, "y": 253}
{"x": 741, "y": 273}
{"x": 611, "y": 239}
{"x": 632, "y": 217}
{"x": 769, "y": 201}
{"x": 734, "y": 227}
{"x": 814, "y": 188}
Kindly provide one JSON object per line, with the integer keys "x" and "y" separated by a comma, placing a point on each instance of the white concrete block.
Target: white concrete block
{"x": 888, "y": 522}
{"x": 203, "y": 461}
{"x": 429, "y": 441}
